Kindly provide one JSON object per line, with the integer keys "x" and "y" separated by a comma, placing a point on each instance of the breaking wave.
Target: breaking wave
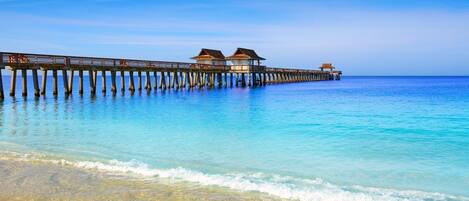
{"x": 275, "y": 185}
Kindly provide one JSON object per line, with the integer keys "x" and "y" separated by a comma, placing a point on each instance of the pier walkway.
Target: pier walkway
{"x": 166, "y": 75}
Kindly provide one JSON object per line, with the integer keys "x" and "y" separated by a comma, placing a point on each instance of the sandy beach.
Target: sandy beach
{"x": 24, "y": 180}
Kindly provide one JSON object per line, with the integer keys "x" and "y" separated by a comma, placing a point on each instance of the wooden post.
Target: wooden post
{"x": 2, "y": 96}
{"x": 243, "y": 80}
{"x": 2, "y": 65}
{"x": 103, "y": 81}
{"x": 13, "y": 82}
{"x": 226, "y": 79}
{"x": 171, "y": 83}
{"x": 155, "y": 80}
{"x": 35, "y": 83}
{"x": 182, "y": 84}
{"x": 176, "y": 80}
{"x": 231, "y": 79}
{"x": 70, "y": 83}
{"x": 65, "y": 82}
{"x": 148, "y": 80}
{"x": 95, "y": 79}
{"x": 24, "y": 92}
{"x": 44, "y": 81}
{"x": 113, "y": 82}
{"x": 212, "y": 79}
{"x": 161, "y": 80}
{"x": 168, "y": 80}
{"x": 122, "y": 81}
{"x": 219, "y": 80}
{"x": 139, "y": 83}
{"x": 264, "y": 82}
{"x": 91, "y": 78}
{"x": 131, "y": 81}
{"x": 187, "y": 80}
{"x": 54, "y": 83}
{"x": 80, "y": 82}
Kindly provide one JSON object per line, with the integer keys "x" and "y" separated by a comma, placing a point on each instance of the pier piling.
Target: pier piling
{"x": 13, "y": 82}
{"x": 24, "y": 91}
{"x": 54, "y": 83}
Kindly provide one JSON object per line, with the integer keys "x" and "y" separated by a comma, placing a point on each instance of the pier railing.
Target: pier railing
{"x": 167, "y": 74}
{"x": 66, "y": 62}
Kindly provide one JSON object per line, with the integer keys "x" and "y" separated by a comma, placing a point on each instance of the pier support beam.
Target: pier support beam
{"x": 113, "y": 82}
{"x": 54, "y": 83}
{"x": 103, "y": 81}
{"x": 92, "y": 81}
{"x": 2, "y": 95}
{"x": 70, "y": 83}
{"x": 35, "y": 83}
{"x": 148, "y": 81}
{"x": 122, "y": 81}
{"x": 219, "y": 80}
{"x": 155, "y": 80}
{"x": 24, "y": 91}
{"x": 243, "y": 80}
{"x": 44, "y": 82}
{"x": 131, "y": 81}
{"x": 65, "y": 82}
{"x": 139, "y": 82}
{"x": 13, "y": 82}
{"x": 80, "y": 82}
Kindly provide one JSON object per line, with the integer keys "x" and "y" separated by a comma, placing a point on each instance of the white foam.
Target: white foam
{"x": 276, "y": 185}
{"x": 284, "y": 187}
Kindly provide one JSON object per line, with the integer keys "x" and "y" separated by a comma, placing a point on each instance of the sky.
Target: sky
{"x": 380, "y": 37}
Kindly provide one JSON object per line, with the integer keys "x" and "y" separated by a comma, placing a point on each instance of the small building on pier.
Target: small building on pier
{"x": 327, "y": 67}
{"x": 333, "y": 74}
{"x": 245, "y": 60}
{"x": 210, "y": 57}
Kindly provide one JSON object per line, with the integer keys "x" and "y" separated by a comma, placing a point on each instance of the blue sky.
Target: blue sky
{"x": 388, "y": 37}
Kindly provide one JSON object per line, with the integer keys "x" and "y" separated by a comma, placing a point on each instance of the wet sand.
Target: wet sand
{"x": 24, "y": 180}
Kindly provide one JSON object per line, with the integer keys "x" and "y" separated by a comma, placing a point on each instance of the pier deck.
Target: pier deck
{"x": 166, "y": 74}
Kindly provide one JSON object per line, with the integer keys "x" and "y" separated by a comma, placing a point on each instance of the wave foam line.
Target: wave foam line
{"x": 275, "y": 185}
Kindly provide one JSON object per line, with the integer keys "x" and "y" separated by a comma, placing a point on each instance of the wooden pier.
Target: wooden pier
{"x": 159, "y": 75}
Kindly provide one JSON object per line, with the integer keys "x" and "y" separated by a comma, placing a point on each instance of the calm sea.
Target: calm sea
{"x": 361, "y": 138}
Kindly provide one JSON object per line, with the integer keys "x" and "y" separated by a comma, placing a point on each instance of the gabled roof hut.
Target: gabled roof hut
{"x": 245, "y": 54}
{"x": 245, "y": 59}
{"x": 327, "y": 66}
{"x": 209, "y": 56}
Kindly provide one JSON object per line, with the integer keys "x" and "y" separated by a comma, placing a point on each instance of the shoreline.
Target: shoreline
{"x": 33, "y": 180}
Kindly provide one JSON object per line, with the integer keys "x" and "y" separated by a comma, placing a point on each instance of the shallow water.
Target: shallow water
{"x": 362, "y": 138}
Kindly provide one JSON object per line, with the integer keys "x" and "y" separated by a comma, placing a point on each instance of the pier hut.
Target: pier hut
{"x": 245, "y": 60}
{"x": 327, "y": 67}
{"x": 210, "y": 57}
{"x": 333, "y": 74}
{"x": 246, "y": 63}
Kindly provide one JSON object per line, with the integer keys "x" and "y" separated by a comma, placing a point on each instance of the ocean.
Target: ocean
{"x": 361, "y": 138}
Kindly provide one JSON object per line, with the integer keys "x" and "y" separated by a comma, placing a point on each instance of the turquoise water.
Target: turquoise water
{"x": 361, "y": 138}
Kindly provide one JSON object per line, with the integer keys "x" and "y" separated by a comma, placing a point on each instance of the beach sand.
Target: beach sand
{"x": 25, "y": 180}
